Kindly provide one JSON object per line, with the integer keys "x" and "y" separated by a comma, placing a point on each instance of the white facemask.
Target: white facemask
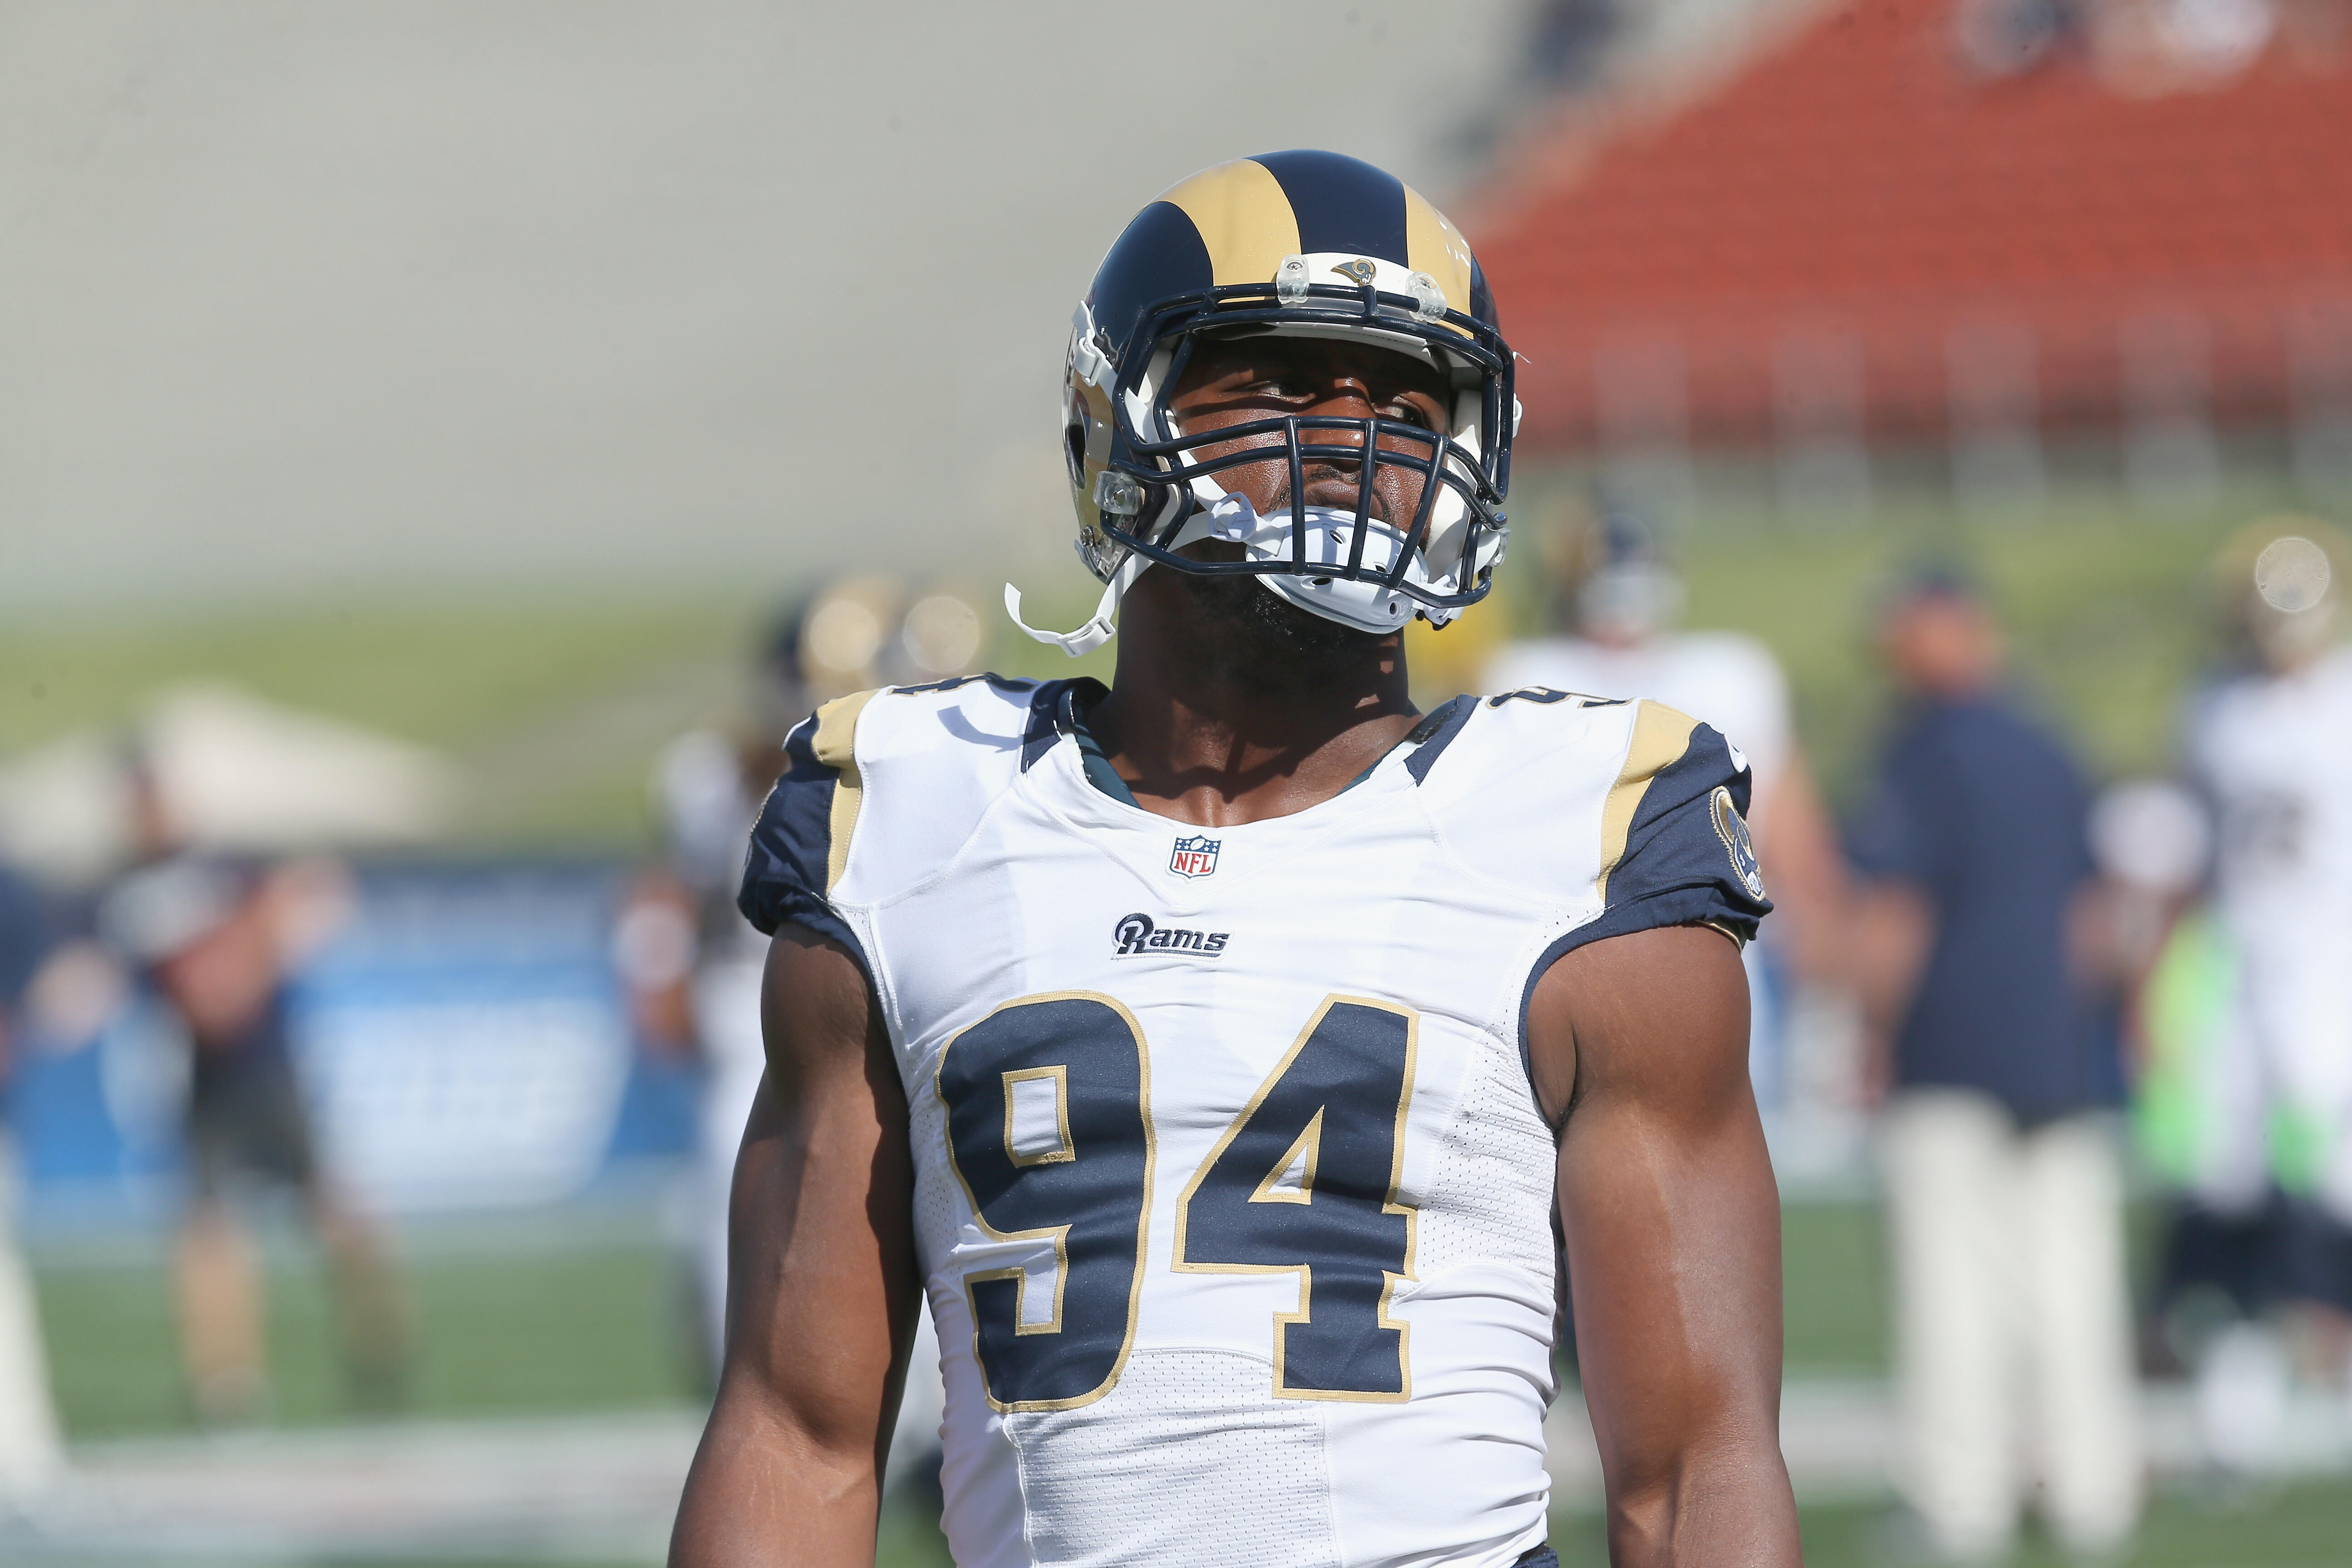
{"x": 1360, "y": 602}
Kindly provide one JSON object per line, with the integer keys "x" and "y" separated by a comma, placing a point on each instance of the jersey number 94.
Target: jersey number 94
{"x": 1049, "y": 1125}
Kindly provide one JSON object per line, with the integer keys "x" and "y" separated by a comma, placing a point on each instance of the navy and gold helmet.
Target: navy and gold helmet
{"x": 1313, "y": 245}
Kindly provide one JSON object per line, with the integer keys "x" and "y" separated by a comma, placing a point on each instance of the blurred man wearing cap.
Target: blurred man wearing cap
{"x": 2003, "y": 1182}
{"x": 2270, "y": 747}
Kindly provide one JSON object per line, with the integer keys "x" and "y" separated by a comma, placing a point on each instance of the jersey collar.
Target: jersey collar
{"x": 1058, "y": 710}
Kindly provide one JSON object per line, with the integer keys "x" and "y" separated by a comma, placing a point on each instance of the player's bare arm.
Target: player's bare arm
{"x": 1638, "y": 1045}
{"x": 821, "y": 1288}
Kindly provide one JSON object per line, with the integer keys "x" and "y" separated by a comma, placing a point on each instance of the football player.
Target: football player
{"x": 1212, "y": 1050}
{"x": 2270, "y": 747}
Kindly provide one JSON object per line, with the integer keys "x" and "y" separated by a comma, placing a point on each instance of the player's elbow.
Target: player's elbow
{"x": 1718, "y": 1500}
{"x": 830, "y": 1435}
{"x": 765, "y": 1488}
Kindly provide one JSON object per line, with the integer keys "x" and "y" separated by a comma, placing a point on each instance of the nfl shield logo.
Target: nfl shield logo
{"x": 1195, "y": 856}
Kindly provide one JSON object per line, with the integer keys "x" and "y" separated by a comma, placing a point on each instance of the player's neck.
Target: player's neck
{"x": 1212, "y": 724}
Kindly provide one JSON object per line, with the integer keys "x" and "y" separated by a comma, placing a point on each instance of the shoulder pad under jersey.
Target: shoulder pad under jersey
{"x": 879, "y": 788}
{"x": 1629, "y": 810}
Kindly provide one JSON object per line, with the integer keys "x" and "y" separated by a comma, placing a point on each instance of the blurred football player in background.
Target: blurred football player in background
{"x": 1613, "y": 603}
{"x": 693, "y": 963}
{"x": 2270, "y": 748}
{"x": 217, "y": 939}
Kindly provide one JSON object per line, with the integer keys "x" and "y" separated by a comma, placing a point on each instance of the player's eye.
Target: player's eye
{"x": 1281, "y": 384}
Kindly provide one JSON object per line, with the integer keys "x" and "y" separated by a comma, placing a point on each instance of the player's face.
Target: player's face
{"x": 1235, "y": 381}
{"x": 2287, "y": 643}
{"x": 1942, "y": 645}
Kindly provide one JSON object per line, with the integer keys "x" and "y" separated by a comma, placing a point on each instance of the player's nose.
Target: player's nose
{"x": 1343, "y": 397}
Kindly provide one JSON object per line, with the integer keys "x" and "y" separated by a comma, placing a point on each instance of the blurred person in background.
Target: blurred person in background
{"x": 217, "y": 939}
{"x": 2004, "y": 1178}
{"x": 693, "y": 980}
{"x": 32, "y": 1454}
{"x": 1615, "y": 600}
{"x": 2219, "y": 1273}
{"x": 691, "y": 960}
{"x": 694, "y": 964}
{"x": 2270, "y": 748}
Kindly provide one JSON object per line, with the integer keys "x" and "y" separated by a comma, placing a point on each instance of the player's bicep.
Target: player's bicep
{"x": 821, "y": 1275}
{"x": 1667, "y": 1203}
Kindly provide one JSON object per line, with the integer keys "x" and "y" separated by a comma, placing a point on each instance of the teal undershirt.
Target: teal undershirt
{"x": 1097, "y": 767}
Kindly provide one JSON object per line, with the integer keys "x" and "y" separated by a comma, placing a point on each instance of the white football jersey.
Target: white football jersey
{"x": 2271, "y": 753}
{"x": 1234, "y": 1201}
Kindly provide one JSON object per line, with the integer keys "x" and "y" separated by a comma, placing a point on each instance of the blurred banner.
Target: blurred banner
{"x": 461, "y": 1041}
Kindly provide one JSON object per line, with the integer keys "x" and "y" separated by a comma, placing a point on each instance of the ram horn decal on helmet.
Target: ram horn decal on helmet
{"x": 1310, "y": 243}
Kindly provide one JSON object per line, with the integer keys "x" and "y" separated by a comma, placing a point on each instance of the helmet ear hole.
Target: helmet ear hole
{"x": 1074, "y": 447}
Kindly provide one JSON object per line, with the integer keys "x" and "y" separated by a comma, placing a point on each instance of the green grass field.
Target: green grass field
{"x": 512, "y": 1322}
{"x": 555, "y": 708}
{"x": 2302, "y": 1527}
{"x": 599, "y": 1324}
{"x": 507, "y": 1325}
{"x": 2109, "y": 609}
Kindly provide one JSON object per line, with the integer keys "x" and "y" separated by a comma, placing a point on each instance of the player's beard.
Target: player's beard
{"x": 1272, "y": 637}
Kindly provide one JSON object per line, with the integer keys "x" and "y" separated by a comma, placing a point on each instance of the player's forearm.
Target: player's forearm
{"x": 762, "y": 1491}
{"x": 1686, "y": 1405}
{"x": 1722, "y": 1504}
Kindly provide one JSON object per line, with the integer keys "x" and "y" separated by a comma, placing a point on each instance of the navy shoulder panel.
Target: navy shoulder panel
{"x": 1675, "y": 849}
{"x": 1052, "y": 714}
{"x": 801, "y": 840}
{"x": 1675, "y": 842}
{"x": 1435, "y": 731}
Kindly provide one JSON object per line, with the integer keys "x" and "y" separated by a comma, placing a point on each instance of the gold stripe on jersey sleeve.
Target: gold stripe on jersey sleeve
{"x": 1432, "y": 244}
{"x": 1660, "y": 737}
{"x": 835, "y": 745}
{"x": 1245, "y": 220}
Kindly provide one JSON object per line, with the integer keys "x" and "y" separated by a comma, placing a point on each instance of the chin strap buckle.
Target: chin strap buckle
{"x": 1077, "y": 644}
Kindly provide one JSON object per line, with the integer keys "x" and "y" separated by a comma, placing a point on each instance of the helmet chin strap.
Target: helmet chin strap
{"x": 1230, "y": 518}
{"x": 1097, "y": 631}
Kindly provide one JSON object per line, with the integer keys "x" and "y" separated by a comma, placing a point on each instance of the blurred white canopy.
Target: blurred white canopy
{"x": 233, "y": 773}
{"x": 300, "y": 297}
